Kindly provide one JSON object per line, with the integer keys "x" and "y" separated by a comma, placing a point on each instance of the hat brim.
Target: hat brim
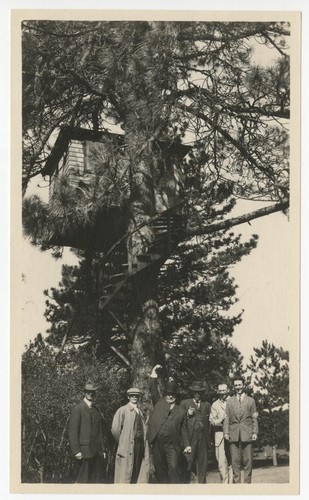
{"x": 195, "y": 389}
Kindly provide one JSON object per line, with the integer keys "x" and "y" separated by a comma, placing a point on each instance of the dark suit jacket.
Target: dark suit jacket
{"x": 241, "y": 419}
{"x": 85, "y": 430}
{"x": 179, "y": 431}
{"x": 205, "y": 409}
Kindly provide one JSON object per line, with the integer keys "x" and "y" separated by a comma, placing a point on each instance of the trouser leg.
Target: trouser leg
{"x": 247, "y": 456}
{"x": 222, "y": 462}
{"x": 83, "y": 472}
{"x": 96, "y": 469}
{"x": 190, "y": 458}
{"x": 159, "y": 462}
{"x": 183, "y": 468}
{"x": 202, "y": 458}
{"x": 138, "y": 458}
{"x": 173, "y": 463}
{"x": 228, "y": 460}
{"x": 236, "y": 460}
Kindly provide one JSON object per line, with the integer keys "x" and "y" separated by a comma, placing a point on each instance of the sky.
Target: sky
{"x": 265, "y": 279}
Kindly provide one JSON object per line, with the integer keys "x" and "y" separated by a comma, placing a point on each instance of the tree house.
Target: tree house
{"x": 84, "y": 160}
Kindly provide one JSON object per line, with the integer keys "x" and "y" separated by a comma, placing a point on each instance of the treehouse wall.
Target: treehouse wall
{"x": 169, "y": 187}
{"x": 78, "y": 163}
{"x": 73, "y": 164}
{"x": 75, "y": 160}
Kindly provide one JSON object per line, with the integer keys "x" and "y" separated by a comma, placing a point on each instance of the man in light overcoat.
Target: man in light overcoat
{"x": 129, "y": 431}
{"x": 240, "y": 428}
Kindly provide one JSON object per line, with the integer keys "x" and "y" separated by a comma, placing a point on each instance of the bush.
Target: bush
{"x": 50, "y": 389}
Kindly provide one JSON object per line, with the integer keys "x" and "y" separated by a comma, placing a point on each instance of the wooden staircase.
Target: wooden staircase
{"x": 115, "y": 275}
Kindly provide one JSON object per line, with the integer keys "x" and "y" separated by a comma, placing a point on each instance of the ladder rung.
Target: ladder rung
{"x": 118, "y": 275}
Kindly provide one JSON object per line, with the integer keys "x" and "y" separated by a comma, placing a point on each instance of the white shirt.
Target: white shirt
{"x": 88, "y": 403}
{"x": 135, "y": 408}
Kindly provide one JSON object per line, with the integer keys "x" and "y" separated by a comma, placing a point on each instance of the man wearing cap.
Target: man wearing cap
{"x": 129, "y": 431}
{"x": 240, "y": 428}
{"x": 85, "y": 436}
{"x": 217, "y": 416}
{"x": 197, "y": 412}
{"x": 167, "y": 431}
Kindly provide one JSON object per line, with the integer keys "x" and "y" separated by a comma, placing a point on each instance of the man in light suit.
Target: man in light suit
{"x": 197, "y": 412}
{"x": 85, "y": 436}
{"x": 217, "y": 416}
{"x": 240, "y": 428}
{"x": 167, "y": 431}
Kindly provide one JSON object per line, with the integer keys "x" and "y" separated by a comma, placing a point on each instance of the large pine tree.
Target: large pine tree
{"x": 161, "y": 82}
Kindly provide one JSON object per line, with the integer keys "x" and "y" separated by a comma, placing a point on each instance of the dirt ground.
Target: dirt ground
{"x": 265, "y": 474}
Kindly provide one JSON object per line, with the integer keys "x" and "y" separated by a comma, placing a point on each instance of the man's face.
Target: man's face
{"x": 170, "y": 397}
{"x": 89, "y": 395}
{"x": 133, "y": 398}
{"x": 197, "y": 396}
{"x": 222, "y": 391}
{"x": 238, "y": 386}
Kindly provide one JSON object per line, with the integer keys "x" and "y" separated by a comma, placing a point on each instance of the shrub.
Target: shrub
{"x": 50, "y": 388}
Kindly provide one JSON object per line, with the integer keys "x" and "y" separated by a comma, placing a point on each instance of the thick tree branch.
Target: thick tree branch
{"x": 235, "y": 221}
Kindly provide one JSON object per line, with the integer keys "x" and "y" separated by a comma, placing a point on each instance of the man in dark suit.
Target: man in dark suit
{"x": 167, "y": 431}
{"x": 85, "y": 436}
{"x": 197, "y": 412}
{"x": 240, "y": 428}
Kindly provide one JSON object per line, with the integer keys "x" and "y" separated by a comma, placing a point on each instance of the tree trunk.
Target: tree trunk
{"x": 147, "y": 333}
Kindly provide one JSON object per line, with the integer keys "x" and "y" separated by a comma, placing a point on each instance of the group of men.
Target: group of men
{"x": 177, "y": 436}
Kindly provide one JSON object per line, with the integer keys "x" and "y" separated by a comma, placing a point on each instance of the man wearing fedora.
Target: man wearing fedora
{"x": 167, "y": 431}
{"x": 197, "y": 412}
{"x": 85, "y": 436}
{"x": 129, "y": 431}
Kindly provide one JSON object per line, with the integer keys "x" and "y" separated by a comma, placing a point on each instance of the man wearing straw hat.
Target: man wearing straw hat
{"x": 85, "y": 436}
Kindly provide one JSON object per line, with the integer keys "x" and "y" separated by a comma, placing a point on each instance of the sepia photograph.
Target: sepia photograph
{"x": 155, "y": 248}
